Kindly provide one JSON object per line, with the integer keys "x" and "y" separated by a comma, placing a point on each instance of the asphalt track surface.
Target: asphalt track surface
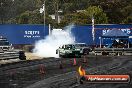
{"x": 61, "y": 73}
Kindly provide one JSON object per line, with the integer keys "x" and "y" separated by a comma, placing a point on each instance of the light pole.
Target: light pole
{"x": 41, "y": 11}
{"x": 100, "y": 41}
{"x": 44, "y": 14}
{"x": 93, "y": 31}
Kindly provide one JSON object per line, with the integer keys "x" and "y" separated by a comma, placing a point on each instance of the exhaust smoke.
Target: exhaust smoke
{"x": 47, "y": 47}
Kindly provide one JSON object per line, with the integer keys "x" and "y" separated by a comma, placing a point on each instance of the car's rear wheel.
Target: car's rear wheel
{"x": 62, "y": 56}
{"x": 85, "y": 52}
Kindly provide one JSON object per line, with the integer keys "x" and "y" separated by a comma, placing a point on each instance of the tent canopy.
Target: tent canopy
{"x": 115, "y": 33}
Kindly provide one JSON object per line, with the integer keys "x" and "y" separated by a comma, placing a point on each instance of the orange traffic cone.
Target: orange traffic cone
{"x": 74, "y": 62}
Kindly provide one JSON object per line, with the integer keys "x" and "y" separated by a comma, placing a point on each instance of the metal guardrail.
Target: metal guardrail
{"x": 9, "y": 55}
{"x": 114, "y": 49}
{"x": 123, "y": 51}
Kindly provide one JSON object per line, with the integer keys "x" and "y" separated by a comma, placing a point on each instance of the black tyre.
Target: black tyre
{"x": 22, "y": 55}
{"x": 56, "y": 51}
{"x": 61, "y": 56}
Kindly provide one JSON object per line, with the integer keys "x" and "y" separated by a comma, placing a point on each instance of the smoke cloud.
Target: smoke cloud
{"x": 47, "y": 47}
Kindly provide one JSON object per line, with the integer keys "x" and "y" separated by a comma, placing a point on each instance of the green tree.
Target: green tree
{"x": 24, "y": 18}
{"x": 5, "y": 10}
{"x": 34, "y": 17}
{"x": 85, "y": 17}
{"x": 38, "y": 18}
{"x": 127, "y": 14}
{"x": 98, "y": 14}
{"x": 116, "y": 10}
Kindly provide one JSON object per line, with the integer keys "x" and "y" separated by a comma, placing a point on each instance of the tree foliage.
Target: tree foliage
{"x": 105, "y": 11}
{"x": 98, "y": 14}
{"x": 118, "y": 11}
{"x": 5, "y": 10}
{"x": 85, "y": 17}
{"x": 33, "y": 17}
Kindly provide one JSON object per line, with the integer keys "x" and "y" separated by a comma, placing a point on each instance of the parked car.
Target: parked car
{"x": 86, "y": 49}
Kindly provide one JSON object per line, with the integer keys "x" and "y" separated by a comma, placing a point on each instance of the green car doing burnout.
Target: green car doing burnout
{"x": 69, "y": 50}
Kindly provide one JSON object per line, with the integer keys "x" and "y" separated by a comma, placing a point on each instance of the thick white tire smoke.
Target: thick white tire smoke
{"x": 47, "y": 47}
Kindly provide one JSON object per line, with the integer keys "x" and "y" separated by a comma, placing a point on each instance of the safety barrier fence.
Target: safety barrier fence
{"x": 9, "y": 55}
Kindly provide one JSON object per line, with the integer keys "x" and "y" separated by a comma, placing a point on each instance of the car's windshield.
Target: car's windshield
{"x": 2, "y": 43}
{"x": 80, "y": 45}
{"x": 69, "y": 46}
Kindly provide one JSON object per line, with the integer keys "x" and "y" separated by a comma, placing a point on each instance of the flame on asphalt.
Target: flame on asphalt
{"x": 81, "y": 71}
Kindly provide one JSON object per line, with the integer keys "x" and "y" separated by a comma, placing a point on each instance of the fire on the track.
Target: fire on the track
{"x": 81, "y": 71}
{"x": 82, "y": 74}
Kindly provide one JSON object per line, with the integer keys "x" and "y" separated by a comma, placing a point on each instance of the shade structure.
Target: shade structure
{"x": 115, "y": 33}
